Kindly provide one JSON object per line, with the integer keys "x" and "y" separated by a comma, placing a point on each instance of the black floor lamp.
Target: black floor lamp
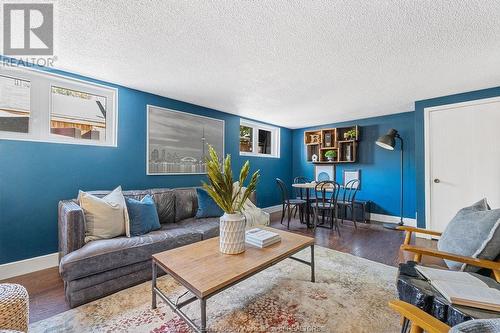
{"x": 388, "y": 141}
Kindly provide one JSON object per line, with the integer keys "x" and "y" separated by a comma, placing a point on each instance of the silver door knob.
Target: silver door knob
{"x": 436, "y": 180}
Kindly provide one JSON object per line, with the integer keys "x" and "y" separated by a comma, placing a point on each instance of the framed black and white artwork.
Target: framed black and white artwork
{"x": 177, "y": 142}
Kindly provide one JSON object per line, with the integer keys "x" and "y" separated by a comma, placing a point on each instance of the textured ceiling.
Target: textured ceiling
{"x": 291, "y": 63}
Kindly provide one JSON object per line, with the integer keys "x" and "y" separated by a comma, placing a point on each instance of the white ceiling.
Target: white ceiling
{"x": 291, "y": 63}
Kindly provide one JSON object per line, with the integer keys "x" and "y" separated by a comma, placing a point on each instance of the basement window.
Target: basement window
{"x": 41, "y": 106}
{"x": 78, "y": 115}
{"x": 259, "y": 140}
{"x": 14, "y": 104}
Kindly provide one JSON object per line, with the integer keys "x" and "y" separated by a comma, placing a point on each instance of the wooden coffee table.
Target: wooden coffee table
{"x": 204, "y": 271}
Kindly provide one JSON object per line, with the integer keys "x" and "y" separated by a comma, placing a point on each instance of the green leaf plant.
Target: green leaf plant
{"x": 220, "y": 186}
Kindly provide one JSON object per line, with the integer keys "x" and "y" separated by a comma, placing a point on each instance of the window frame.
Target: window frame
{"x": 275, "y": 139}
{"x": 41, "y": 107}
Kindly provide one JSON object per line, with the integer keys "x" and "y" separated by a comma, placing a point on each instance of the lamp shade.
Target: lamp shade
{"x": 387, "y": 141}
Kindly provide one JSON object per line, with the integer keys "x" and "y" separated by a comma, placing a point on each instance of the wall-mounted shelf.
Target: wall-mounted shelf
{"x": 342, "y": 140}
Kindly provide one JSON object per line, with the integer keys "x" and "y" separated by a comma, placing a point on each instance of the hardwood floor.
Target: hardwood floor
{"x": 46, "y": 291}
{"x": 370, "y": 241}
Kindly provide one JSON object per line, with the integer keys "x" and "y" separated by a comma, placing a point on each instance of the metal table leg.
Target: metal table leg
{"x": 153, "y": 287}
{"x": 308, "y": 212}
{"x": 313, "y": 279}
{"x": 308, "y": 263}
{"x": 203, "y": 312}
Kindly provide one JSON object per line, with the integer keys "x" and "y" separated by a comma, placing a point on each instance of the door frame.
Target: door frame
{"x": 427, "y": 138}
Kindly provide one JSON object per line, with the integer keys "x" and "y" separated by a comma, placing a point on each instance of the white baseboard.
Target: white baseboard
{"x": 392, "y": 219}
{"x": 30, "y": 265}
{"x": 272, "y": 209}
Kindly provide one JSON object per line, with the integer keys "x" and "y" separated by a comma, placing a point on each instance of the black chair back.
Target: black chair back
{"x": 350, "y": 190}
{"x": 283, "y": 190}
{"x": 327, "y": 193}
{"x": 300, "y": 192}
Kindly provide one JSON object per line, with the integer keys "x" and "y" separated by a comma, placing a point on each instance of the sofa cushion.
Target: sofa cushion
{"x": 165, "y": 204}
{"x": 105, "y": 217}
{"x": 206, "y": 205}
{"x": 206, "y": 227}
{"x": 143, "y": 216}
{"x": 110, "y": 275}
{"x": 186, "y": 203}
{"x": 106, "y": 254}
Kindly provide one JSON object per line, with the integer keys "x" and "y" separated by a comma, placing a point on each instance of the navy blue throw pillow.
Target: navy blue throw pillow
{"x": 206, "y": 205}
{"x": 142, "y": 215}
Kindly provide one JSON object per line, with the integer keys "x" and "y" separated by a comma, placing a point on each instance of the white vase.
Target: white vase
{"x": 232, "y": 233}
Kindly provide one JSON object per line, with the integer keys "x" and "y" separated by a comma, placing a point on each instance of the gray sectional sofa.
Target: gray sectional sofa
{"x": 102, "y": 267}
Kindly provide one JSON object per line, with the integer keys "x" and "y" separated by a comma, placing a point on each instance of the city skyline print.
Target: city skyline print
{"x": 177, "y": 142}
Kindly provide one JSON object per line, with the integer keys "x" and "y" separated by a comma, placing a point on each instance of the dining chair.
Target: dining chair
{"x": 348, "y": 200}
{"x": 327, "y": 193}
{"x": 300, "y": 193}
{"x": 289, "y": 205}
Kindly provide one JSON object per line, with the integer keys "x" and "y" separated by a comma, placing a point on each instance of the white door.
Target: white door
{"x": 462, "y": 158}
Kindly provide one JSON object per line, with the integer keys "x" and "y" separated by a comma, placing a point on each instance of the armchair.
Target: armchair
{"x": 420, "y": 321}
{"x": 419, "y": 251}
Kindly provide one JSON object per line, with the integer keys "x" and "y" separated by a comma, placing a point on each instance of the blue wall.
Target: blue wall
{"x": 419, "y": 137}
{"x": 380, "y": 175}
{"x": 34, "y": 176}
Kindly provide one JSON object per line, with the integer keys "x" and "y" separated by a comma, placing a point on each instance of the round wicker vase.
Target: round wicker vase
{"x": 232, "y": 233}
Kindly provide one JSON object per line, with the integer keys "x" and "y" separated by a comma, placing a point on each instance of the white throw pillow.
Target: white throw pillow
{"x": 104, "y": 217}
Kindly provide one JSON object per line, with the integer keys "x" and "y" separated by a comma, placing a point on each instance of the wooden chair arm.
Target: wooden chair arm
{"x": 420, "y": 319}
{"x": 420, "y": 230}
{"x": 484, "y": 263}
{"x": 409, "y": 230}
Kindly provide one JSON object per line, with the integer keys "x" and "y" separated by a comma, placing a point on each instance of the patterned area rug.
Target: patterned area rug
{"x": 350, "y": 295}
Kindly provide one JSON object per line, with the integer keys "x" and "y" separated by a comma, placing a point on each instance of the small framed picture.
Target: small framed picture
{"x": 351, "y": 175}
{"x": 324, "y": 172}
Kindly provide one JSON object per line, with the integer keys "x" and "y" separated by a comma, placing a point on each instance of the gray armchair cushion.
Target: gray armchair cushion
{"x": 106, "y": 254}
{"x": 186, "y": 203}
{"x": 165, "y": 204}
{"x": 478, "y": 326}
{"x": 473, "y": 232}
{"x": 207, "y": 227}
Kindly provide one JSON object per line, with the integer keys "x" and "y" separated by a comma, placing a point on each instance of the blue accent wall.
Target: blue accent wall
{"x": 380, "y": 168}
{"x": 34, "y": 176}
{"x": 419, "y": 137}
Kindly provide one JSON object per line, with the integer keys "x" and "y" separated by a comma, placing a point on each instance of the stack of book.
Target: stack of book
{"x": 261, "y": 238}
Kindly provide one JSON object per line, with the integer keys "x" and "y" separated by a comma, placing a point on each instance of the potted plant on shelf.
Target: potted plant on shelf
{"x": 331, "y": 155}
{"x": 230, "y": 199}
{"x": 350, "y": 134}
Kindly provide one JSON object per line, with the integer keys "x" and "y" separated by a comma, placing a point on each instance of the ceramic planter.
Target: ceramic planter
{"x": 232, "y": 233}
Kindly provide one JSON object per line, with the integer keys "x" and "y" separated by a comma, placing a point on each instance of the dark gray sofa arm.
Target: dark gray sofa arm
{"x": 71, "y": 225}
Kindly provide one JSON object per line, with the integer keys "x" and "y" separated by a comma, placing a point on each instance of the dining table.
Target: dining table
{"x": 308, "y": 187}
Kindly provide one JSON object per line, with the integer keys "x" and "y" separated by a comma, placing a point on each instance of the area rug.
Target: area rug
{"x": 350, "y": 295}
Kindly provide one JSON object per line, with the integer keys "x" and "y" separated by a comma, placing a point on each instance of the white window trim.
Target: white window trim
{"x": 275, "y": 139}
{"x": 41, "y": 106}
